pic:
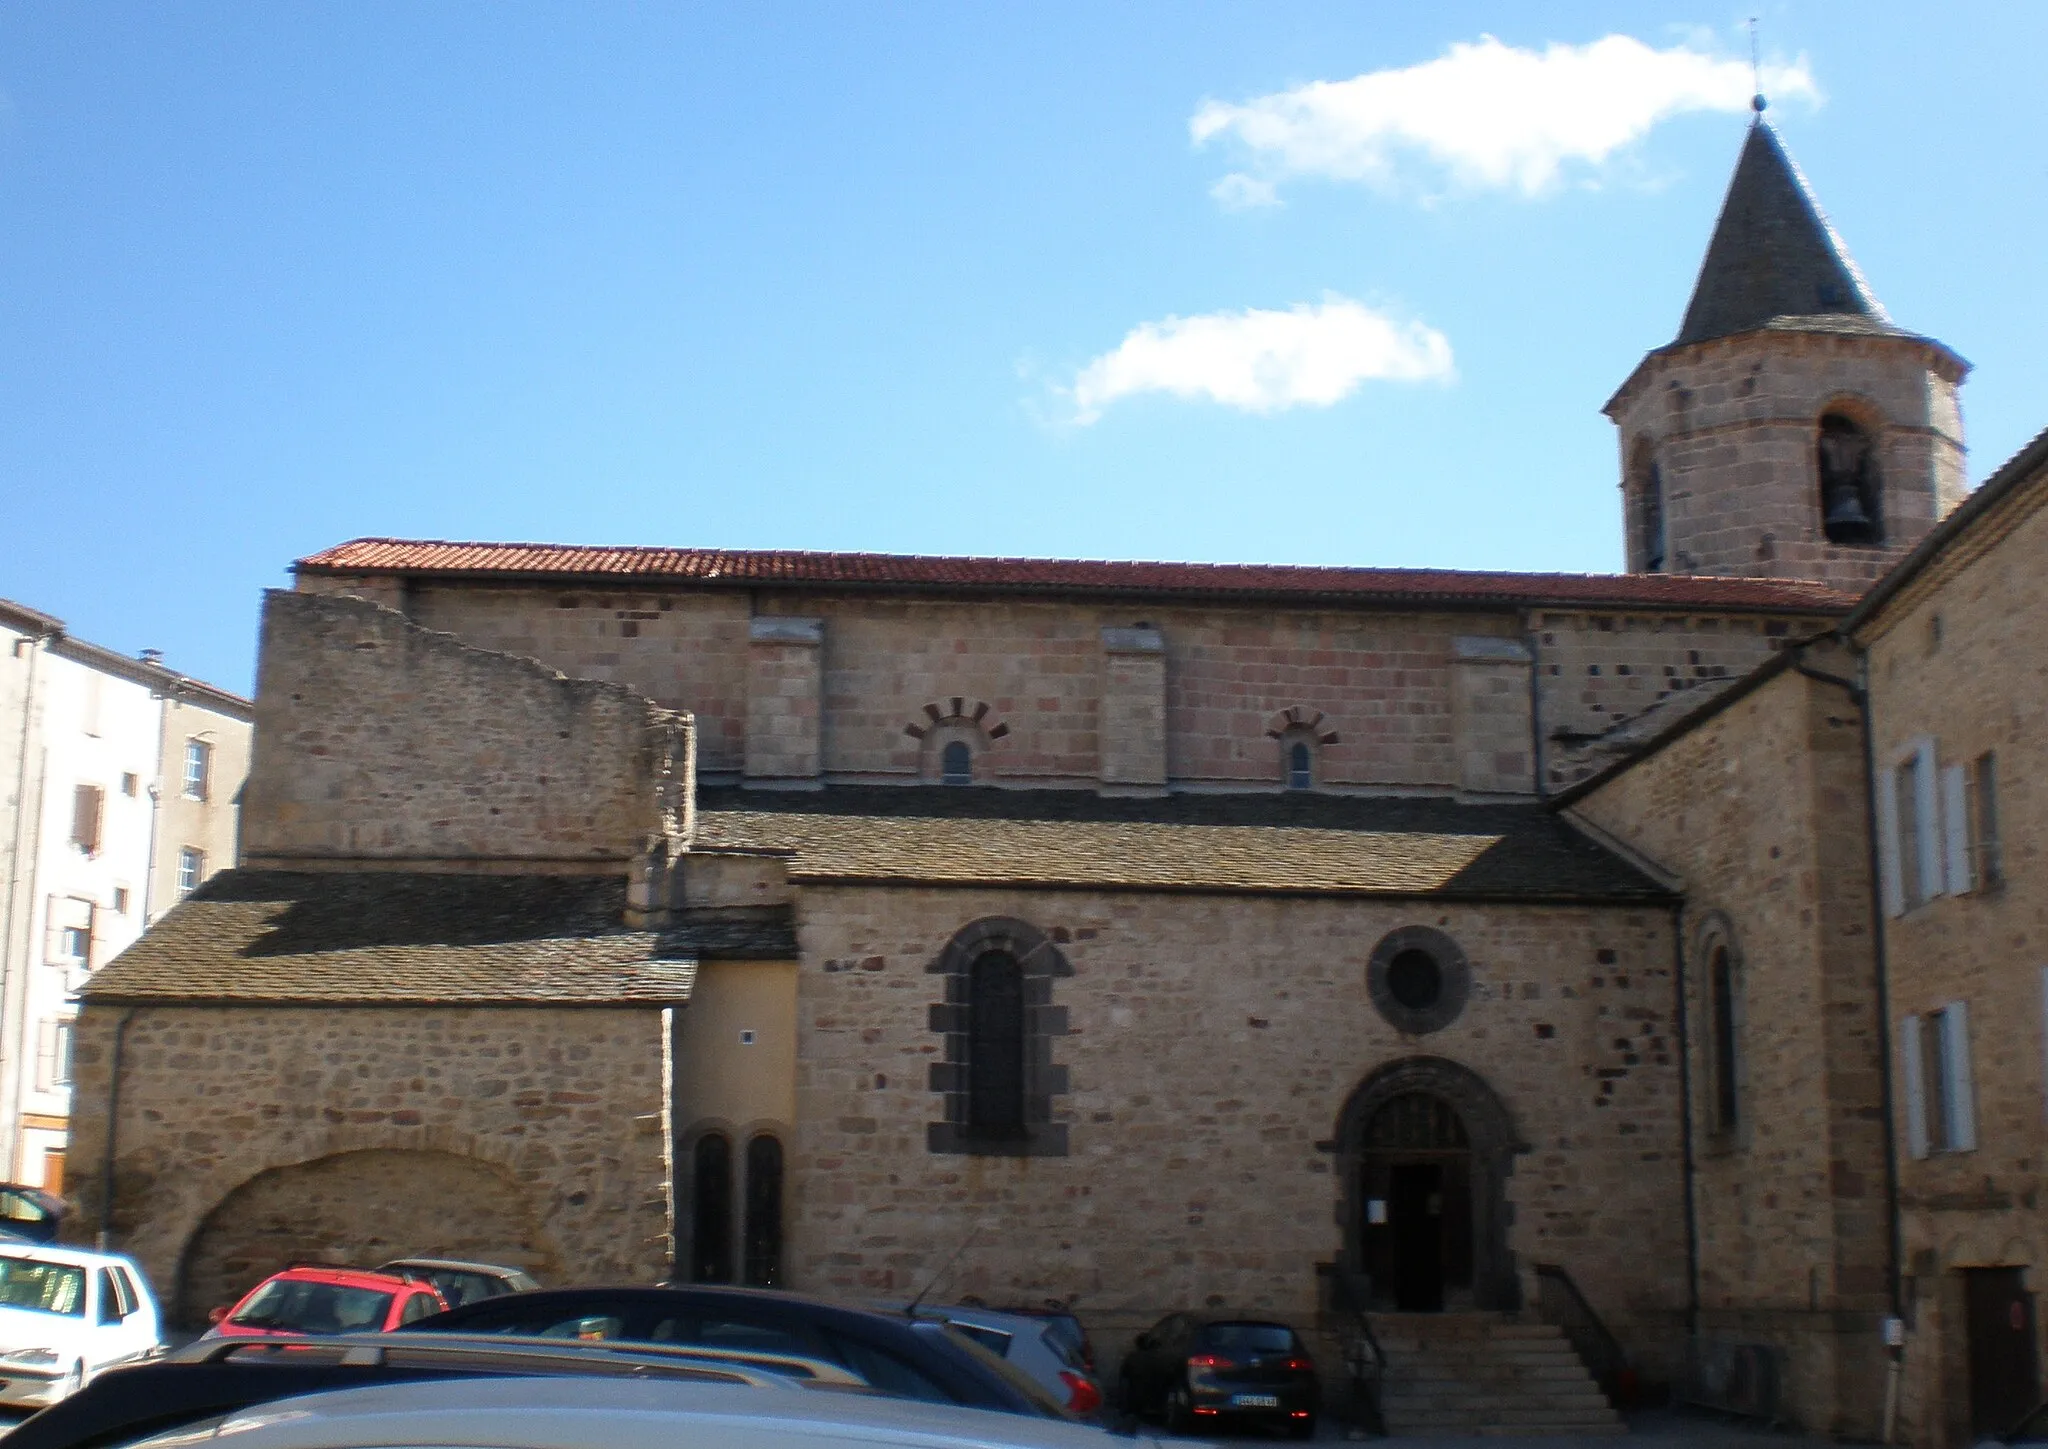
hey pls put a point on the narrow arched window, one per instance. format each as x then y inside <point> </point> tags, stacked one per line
<point>1850,499</point>
<point>763,1266</point>
<point>1721,983</point>
<point>956,764</point>
<point>1646,484</point>
<point>1300,767</point>
<point>995,1045</point>
<point>711,1197</point>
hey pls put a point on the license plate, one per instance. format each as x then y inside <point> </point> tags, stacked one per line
<point>1254,1401</point>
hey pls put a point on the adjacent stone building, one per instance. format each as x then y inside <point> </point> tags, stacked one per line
<point>1146,936</point>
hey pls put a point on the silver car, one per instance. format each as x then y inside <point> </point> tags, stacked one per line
<point>1034,1344</point>
<point>523,1413</point>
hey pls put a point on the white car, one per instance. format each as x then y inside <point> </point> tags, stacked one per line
<point>613,1413</point>
<point>66,1314</point>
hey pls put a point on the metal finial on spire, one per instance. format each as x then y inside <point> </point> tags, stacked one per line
<point>1756,71</point>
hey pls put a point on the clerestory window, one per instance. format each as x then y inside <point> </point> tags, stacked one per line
<point>956,764</point>
<point>1300,766</point>
<point>995,1046</point>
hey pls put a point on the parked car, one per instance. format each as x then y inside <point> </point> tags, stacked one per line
<point>1064,1323</point>
<point>1039,1346</point>
<point>29,1213</point>
<point>308,1298</point>
<point>575,1413</point>
<point>222,1375</point>
<point>1191,1370</point>
<point>461,1283</point>
<point>66,1316</point>
<point>917,1359</point>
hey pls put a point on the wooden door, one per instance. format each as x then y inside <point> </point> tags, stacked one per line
<point>2005,1375</point>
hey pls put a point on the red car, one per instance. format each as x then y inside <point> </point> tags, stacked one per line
<point>311,1299</point>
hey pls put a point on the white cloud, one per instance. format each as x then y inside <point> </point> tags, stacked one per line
<point>1488,114</point>
<point>1239,192</point>
<point>1259,361</point>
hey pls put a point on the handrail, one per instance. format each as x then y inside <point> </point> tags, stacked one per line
<point>1368,1365</point>
<point>1560,1302</point>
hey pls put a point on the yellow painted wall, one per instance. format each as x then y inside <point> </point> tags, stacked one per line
<point>721,1078</point>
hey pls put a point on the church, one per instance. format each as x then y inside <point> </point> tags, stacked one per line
<point>1350,945</point>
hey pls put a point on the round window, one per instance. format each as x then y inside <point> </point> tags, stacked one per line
<point>1419,980</point>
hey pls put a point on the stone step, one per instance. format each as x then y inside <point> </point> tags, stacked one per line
<point>1477,1415</point>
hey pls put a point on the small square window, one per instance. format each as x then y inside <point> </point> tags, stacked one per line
<point>121,900</point>
<point>130,785</point>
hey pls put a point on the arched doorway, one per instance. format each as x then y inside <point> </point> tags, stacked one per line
<point>361,1208</point>
<point>1426,1148</point>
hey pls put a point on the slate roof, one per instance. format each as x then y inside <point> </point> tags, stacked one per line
<point>1265,843</point>
<point>389,937</point>
<point>1101,578</point>
<point>1773,255</point>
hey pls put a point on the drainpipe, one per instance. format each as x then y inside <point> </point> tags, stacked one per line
<point>1692,1220</point>
<point>156,806</point>
<point>104,1239</point>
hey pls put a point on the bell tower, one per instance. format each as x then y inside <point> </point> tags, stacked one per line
<point>1791,430</point>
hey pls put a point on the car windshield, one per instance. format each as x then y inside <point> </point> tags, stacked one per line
<point>1246,1338</point>
<point>44,1287</point>
<point>296,1305</point>
<point>459,1286</point>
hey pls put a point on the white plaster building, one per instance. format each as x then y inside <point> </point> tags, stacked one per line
<point>119,786</point>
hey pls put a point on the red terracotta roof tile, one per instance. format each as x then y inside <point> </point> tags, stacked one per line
<point>1279,582</point>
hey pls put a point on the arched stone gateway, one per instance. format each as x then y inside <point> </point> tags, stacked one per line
<point>1425,1148</point>
<point>360,1208</point>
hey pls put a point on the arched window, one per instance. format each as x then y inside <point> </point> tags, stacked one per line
<point>1646,485</point>
<point>1300,766</point>
<point>1850,498</point>
<point>1721,985</point>
<point>956,764</point>
<point>995,1046</point>
<point>763,1265</point>
<point>711,1194</point>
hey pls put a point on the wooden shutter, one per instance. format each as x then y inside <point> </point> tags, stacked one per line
<point>1916,1087</point>
<point>1955,828</point>
<point>1959,1093</point>
<point>1891,878</point>
<point>85,818</point>
<point>1927,812</point>
<point>46,1055</point>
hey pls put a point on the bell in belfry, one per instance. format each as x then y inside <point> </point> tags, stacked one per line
<point>1845,483</point>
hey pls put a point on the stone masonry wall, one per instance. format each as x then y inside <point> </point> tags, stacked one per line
<point>1607,682</point>
<point>560,1107</point>
<point>1760,811</point>
<point>1958,658</point>
<point>377,738</point>
<point>784,705</point>
<point>1212,1043</point>
<point>1733,425</point>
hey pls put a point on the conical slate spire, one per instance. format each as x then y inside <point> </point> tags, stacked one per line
<point>1773,254</point>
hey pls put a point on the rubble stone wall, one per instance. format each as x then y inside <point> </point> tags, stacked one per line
<point>378,738</point>
<point>560,1108</point>
<point>1211,1044</point>
<point>1761,812</point>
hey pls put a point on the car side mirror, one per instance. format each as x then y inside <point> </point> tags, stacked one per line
<point>215,1315</point>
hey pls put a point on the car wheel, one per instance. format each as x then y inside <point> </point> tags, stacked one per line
<point>1302,1428</point>
<point>1180,1414</point>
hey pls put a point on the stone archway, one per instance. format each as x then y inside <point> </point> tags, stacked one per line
<point>1413,1129</point>
<point>361,1208</point>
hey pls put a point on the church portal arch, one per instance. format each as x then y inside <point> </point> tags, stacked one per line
<point>1425,1148</point>
<point>360,1208</point>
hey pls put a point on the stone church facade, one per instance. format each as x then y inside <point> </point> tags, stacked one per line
<point>1147,936</point>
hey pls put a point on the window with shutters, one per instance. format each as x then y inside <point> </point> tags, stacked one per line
<point>1984,850</point>
<point>763,1259</point>
<point>198,770</point>
<point>87,806</point>
<point>191,870</point>
<point>1941,1098</point>
<point>68,932</point>
<point>1912,843</point>
<point>53,1055</point>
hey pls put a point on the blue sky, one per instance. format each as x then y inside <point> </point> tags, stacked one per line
<point>920,278</point>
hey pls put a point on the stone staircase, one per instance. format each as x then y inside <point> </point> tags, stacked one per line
<point>1481,1373</point>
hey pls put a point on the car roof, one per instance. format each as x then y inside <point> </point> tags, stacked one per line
<point>1015,1323</point>
<point>454,1265</point>
<point>343,1277</point>
<point>522,1413</point>
<point>70,1257</point>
